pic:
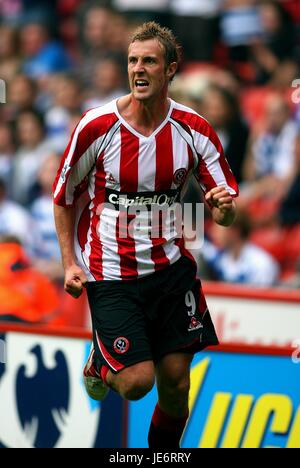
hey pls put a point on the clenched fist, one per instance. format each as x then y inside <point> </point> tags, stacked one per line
<point>75,281</point>
<point>224,209</point>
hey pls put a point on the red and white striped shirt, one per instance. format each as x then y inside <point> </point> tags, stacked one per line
<point>106,158</point>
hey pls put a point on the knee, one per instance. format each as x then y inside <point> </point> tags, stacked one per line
<point>136,381</point>
<point>135,389</point>
<point>176,387</point>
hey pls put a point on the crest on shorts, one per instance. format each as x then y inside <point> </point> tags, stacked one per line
<point>121,345</point>
<point>195,325</point>
<point>180,176</point>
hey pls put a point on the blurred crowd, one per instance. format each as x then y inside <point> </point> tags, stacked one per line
<point>59,58</point>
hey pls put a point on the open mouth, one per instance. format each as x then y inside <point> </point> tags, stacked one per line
<point>141,84</point>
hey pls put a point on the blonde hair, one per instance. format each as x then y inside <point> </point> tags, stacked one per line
<point>165,36</point>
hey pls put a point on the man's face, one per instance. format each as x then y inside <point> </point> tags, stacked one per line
<point>148,74</point>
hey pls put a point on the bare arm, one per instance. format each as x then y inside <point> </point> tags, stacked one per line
<point>75,279</point>
<point>224,206</point>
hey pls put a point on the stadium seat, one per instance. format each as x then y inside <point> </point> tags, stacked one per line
<point>253,103</point>
<point>271,239</point>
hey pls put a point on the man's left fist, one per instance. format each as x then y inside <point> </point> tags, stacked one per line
<point>220,198</point>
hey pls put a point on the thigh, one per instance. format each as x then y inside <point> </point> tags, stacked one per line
<point>119,329</point>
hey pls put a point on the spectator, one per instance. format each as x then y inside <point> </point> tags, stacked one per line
<point>221,109</point>
<point>195,22</point>
<point>15,12</point>
<point>278,44</point>
<point>119,38</point>
<point>232,258</point>
<point>32,151</point>
<point>240,26</point>
<point>22,94</point>
<point>95,40</point>
<point>67,100</point>
<point>42,55</point>
<point>271,158</point>
<point>14,220</point>
<point>75,118</point>
<point>107,84</point>
<point>68,25</point>
<point>46,252</point>
<point>25,294</point>
<point>290,209</point>
<point>9,59</point>
<point>6,154</point>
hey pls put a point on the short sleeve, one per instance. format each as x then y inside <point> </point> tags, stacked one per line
<point>213,169</point>
<point>78,160</point>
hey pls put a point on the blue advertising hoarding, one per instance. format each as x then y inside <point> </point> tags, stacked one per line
<point>43,403</point>
<point>237,401</point>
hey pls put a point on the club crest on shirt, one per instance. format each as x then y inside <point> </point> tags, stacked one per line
<point>180,176</point>
<point>110,178</point>
<point>121,345</point>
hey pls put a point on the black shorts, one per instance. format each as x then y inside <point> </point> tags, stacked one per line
<point>146,319</point>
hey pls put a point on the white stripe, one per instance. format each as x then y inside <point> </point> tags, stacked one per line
<point>112,158</point>
<point>147,166</point>
<point>111,261</point>
<point>172,252</point>
<point>143,250</point>
<point>87,247</point>
<point>180,151</point>
<point>187,138</point>
<point>146,183</point>
<point>108,236</point>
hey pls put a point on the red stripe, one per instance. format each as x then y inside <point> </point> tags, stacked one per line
<point>112,362</point>
<point>204,176</point>
<point>129,167</point>
<point>165,422</point>
<point>164,160</point>
<point>158,254</point>
<point>163,181</point>
<point>129,176</point>
<point>96,256</point>
<point>229,176</point>
<point>126,249</point>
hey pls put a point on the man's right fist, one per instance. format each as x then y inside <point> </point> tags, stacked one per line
<point>75,281</point>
